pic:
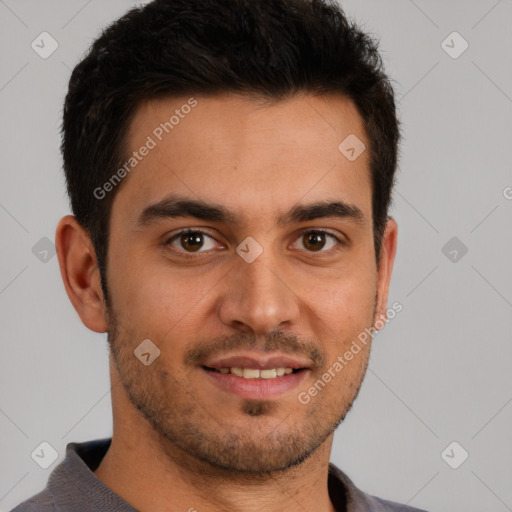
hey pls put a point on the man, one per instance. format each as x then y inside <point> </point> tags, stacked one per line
<point>230,166</point>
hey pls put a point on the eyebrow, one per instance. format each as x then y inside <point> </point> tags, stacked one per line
<point>177,206</point>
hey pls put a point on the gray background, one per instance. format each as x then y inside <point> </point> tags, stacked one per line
<point>439,371</point>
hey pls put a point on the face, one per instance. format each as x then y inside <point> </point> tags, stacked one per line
<point>219,258</point>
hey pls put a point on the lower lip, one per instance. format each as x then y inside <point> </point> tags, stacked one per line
<point>257,389</point>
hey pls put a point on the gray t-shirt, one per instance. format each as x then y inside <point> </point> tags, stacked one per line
<point>73,487</point>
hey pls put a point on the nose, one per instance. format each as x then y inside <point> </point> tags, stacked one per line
<point>258,296</point>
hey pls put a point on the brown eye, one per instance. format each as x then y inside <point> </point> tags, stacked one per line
<point>320,241</point>
<point>314,240</point>
<point>192,241</point>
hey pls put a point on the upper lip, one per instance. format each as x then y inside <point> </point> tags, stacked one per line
<point>257,361</point>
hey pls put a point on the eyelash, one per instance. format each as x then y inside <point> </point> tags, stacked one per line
<point>189,255</point>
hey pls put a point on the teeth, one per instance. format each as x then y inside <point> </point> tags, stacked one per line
<point>268,374</point>
<point>253,373</point>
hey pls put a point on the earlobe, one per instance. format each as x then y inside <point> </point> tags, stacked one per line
<point>385,269</point>
<point>80,273</point>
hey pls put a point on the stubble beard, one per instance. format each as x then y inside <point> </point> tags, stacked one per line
<point>187,430</point>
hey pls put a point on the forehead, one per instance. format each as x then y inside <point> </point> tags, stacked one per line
<point>254,155</point>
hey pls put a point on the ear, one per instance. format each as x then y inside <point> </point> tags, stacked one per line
<point>385,268</point>
<point>80,273</point>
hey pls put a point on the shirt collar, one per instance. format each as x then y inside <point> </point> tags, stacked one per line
<point>74,475</point>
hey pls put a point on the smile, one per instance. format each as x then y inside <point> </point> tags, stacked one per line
<point>254,373</point>
<point>254,383</point>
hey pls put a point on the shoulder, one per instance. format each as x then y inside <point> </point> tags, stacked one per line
<point>40,502</point>
<point>357,500</point>
<point>391,506</point>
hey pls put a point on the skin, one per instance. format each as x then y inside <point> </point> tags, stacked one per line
<point>179,441</point>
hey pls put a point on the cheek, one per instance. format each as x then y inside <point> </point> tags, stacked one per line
<point>343,310</point>
<point>346,298</point>
<point>157,301</point>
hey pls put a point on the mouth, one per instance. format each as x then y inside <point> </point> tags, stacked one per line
<point>256,376</point>
<point>255,373</point>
